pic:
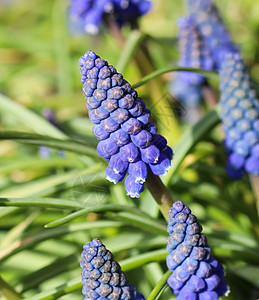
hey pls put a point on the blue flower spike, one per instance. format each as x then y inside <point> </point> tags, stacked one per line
<point>240,117</point>
<point>127,139</point>
<point>193,52</point>
<point>207,18</point>
<point>90,14</point>
<point>186,86</point>
<point>102,276</point>
<point>196,275</point>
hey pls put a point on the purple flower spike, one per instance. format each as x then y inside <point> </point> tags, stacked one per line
<point>102,276</point>
<point>196,274</point>
<point>193,52</point>
<point>240,112</point>
<point>128,140</point>
<point>90,14</point>
<point>206,17</point>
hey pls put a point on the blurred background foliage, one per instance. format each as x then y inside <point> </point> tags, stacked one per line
<point>39,51</point>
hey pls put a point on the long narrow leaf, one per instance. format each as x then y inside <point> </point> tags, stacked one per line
<point>191,137</point>
<point>210,74</point>
<point>86,148</point>
<point>27,117</point>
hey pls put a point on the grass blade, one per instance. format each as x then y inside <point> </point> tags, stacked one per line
<point>192,136</point>
<point>209,74</point>
<point>160,286</point>
<point>27,117</point>
<point>80,147</point>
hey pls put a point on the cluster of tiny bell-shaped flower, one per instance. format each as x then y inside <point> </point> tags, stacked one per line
<point>210,25</point>
<point>91,13</point>
<point>240,117</point>
<point>102,276</point>
<point>196,275</point>
<point>186,86</point>
<point>193,52</point>
<point>128,140</point>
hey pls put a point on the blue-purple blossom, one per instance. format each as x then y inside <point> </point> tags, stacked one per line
<point>240,117</point>
<point>186,86</point>
<point>128,140</point>
<point>196,275</point>
<point>102,276</point>
<point>217,39</point>
<point>91,13</point>
<point>193,52</point>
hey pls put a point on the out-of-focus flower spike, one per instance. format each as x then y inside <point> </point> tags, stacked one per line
<point>209,23</point>
<point>127,139</point>
<point>91,14</point>
<point>240,114</point>
<point>102,276</point>
<point>195,273</point>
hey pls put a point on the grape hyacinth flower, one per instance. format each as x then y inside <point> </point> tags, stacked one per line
<point>196,275</point>
<point>102,276</point>
<point>192,50</point>
<point>193,54</point>
<point>128,140</point>
<point>240,117</point>
<point>91,13</point>
<point>209,22</point>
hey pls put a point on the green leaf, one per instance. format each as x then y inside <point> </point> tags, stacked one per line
<point>190,137</point>
<point>82,147</point>
<point>160,286</point>
<point>132,215</point>
<point>27,117</point>
<point>7,291</point>
<point>54,183</point>
<point>40,202</point>
<point>132,43</point>
<point>30,240</point>
<point>17,230</point>
<point>209,74</point>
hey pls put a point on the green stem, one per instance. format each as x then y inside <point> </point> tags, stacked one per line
<point>7,291</point>
<point>209,74</point>
<point>160,286</point>
<point>255,186</point>
<point>160,193</point>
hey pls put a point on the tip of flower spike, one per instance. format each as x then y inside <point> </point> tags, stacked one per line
<point>102,276</point>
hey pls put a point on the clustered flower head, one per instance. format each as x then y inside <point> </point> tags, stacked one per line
<point>92,12</point>
<point>240,117</point>
<point>196,275</point>
<point>128,140</point>
<point>193,52</point>
<point>206,17</point>
<point>102,276</point>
